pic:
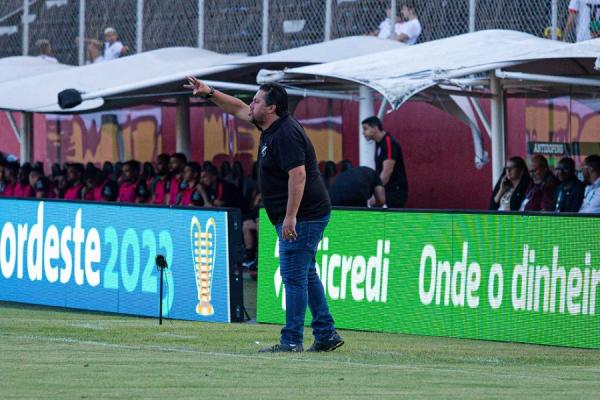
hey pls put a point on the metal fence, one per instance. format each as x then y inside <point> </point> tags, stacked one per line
<point>248,26</point>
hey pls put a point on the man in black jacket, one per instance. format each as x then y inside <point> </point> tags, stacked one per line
<point>569,193</point>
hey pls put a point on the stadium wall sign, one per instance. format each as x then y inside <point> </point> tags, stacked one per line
<point>508,277</point>
<point>102,257</point>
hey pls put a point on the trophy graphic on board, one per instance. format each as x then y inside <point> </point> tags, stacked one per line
<point>203,254</point>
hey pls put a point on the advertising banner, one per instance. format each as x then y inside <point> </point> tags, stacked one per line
<point>102,257</point>
<point>521,278</point>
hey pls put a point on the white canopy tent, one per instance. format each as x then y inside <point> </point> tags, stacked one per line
<point>159,74</point>
<point>481,64</point>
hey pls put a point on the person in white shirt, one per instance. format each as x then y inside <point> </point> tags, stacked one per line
<point>45,50</point>
<point>581,14</point>
<point>411,29</point>
<point>591,175</point>
<point>113,48</point>
<point>384,31</point>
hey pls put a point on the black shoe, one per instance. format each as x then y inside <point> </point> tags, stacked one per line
<point>283,348</point>
<point>333,342</point>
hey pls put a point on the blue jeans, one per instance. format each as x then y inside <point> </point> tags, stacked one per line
<point>302,284</point>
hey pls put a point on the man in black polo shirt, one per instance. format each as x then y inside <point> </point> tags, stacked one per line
<point>389,162</point>
<point>297,204</point>
<point>355,186</point>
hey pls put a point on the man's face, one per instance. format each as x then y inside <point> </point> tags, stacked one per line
<point>188,174</point>
<point>33,178</point>
<point>586,174</point>
<point>175,165</point>
<point>369,132</point>
<point>537,171</point>
<point>72,174</point>
<point>562,172</point>
<point>405,12</point>
<point>162,167</point>
<point>110,37</point>
<point>259,109</point>
<point>128,173</point>
<point>206,179</point>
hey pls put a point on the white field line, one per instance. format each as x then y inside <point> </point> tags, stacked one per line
<point>184,350</point>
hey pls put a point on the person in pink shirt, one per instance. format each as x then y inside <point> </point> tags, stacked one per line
<point>190,189</point>
<point>132,189</point>
<point>8,178</point>
<point>74,182</point>
<point>159,182</point>
<point>176,164</point>
<point>22,186</point>
<point>40,184</point>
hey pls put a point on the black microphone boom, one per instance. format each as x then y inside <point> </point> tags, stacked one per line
<point>161,263</point>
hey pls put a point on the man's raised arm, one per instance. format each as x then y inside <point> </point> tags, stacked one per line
<point>227,103</point>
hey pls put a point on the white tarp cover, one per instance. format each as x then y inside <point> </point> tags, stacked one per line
<point>151,71</point>
<point>12,68</point>
<point>399,74</point>
<point>40,93</point>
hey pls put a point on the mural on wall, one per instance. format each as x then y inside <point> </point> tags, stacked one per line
<point>105,136</point>
<point>229,139</point>
<point>563,127</point>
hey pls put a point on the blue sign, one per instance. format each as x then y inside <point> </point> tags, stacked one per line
<point>102,257</point>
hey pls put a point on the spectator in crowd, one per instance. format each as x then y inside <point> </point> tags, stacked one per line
<point>40,184</point>
<point>113,47</point>
<point>344,165</point>
<point>94,52</point>
<point>22,187</point>
<point>389,162</point>
<point>8,179</point>
<point>329,174</point>
<point>384,31</point>
<point>540,195</point>
<point>410,29</point>
<point>591,175</point>
<point>355,186</point>
<point>74,182</point>
<point>176,164</point>
<point>110,191</point>
<point>582,13</point>
<point>510,189</point>
<point>95,183</point>
<point>569,193</point>
<point>190,188</point>
<point>108,169</point>
<point>45,50</point>
<point>217,192</point>
<point>148,173</point>
<point>160,181</point>
<point>132,189</point>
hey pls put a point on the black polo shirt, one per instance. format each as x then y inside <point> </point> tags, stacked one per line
<point>284,146</point>
<point>389,149</point>
<point>354,187</point>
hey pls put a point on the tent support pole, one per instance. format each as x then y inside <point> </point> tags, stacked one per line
<point>365,109</point>
<point>498,128</point>
<point>26,137</point>
<point>182,126</point>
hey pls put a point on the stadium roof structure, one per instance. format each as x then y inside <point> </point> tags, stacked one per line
<point>490,64</point>
<point>12,68</point>
<point>159,74</point>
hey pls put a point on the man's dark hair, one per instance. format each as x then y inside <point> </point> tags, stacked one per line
<point>593,162</point>
<point>408,4</point>
<point>569,165</point>
<point>163,158</point>
<point>134,165</point>
<point>211,170</point>
<point>181,157</point>
<point>195,167</point>
<point>373,122</point>
<point>275,95</point>
<point>78,167</point>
